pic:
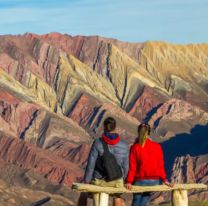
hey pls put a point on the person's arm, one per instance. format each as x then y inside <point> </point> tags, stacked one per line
<point>132,166</point>
<point>91,163</point>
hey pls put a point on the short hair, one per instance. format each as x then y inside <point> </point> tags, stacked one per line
<point>109,124</point>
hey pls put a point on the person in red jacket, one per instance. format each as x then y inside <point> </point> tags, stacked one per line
<point>146,165</point>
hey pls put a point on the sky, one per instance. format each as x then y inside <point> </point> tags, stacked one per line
<point>176,21</point>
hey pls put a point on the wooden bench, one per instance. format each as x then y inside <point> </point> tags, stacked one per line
<point>101,194</point>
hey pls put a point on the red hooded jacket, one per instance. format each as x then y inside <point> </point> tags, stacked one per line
<point>146,162</point>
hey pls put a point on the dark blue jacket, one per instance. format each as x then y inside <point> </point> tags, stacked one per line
<point>120,151</point>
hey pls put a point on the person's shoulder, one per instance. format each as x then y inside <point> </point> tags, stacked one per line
<point>152,142</point>
<point>123,143</point>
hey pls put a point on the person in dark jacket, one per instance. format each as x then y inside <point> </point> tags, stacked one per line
<point>146,165</point>
<point>121,152</point>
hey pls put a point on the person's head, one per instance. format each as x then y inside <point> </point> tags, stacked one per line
<point>143,133</point>
<point>109,124</point>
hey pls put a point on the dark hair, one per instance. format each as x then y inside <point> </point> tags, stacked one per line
<point>109,124</point>
<point>147,126</point>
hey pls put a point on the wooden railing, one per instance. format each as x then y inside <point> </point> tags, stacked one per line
<point>101,194</point>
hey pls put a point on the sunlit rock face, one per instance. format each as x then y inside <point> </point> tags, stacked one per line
<point>56,90</point>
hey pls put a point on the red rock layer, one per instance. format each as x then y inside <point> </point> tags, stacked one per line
<point>28,156</point>
<point>21,55</point>
<point>85,108</point>
<point>176,116</point>
<point>68,151</point>
<point>15,115</point>
<point>146,102</point>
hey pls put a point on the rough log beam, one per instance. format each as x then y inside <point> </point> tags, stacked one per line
<point>101,194</point>
<point>135,189</point>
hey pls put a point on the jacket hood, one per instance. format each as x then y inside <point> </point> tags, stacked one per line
<point>111,138</point>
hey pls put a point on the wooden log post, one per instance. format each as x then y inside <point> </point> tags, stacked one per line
<point>104,198</point>
<point>96,199</point>
<point>179,198</point>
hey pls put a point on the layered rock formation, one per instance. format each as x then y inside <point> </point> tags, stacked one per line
<point>89,113</point>
<point>56,90</point>
<point>28,156</point>
<point>175,117</point>
<point>179,70</point>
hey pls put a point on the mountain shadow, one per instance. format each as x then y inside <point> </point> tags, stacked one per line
<point>194,144</point>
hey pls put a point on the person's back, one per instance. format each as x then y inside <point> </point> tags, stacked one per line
<point>116,146</point>
<point>148,161</point>
<point>146,166</point>
<point>120,150</point>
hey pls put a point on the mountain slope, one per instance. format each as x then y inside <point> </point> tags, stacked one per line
<point>56,90</point>
<point>178,70</point>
